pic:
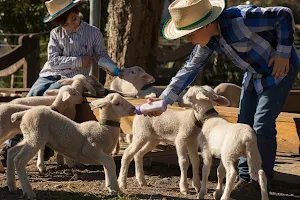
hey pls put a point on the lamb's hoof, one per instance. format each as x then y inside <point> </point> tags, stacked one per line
<point>42,173</point>
<point>25,196</point>
<point>217,194</point>
<point>115,192</point>
<point>122,185</point>
<point>186,192</point>
<point>201,195</point>
<point>143,183</point>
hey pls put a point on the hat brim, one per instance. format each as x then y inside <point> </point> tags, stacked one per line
<point>170,31</point>
<point>49,18</point>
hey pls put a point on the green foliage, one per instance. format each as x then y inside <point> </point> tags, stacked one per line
<point>22,16</point>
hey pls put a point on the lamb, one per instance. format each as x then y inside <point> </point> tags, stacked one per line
<point>82,83</point>
<point>67,97</point>
<point>225,140</point>
<point>231,91</point>
<point>79,82</point>
<point>135,82</point>
<point>178,127</point>
<point>89,142</point>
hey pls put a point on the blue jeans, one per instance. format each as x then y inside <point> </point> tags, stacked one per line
<point>260,112</point>
<point>38,89</point>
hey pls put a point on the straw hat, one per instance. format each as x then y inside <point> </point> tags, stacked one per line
<point>188,16</point>
<point>58,7</point>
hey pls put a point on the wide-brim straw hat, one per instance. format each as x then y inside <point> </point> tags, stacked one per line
<point>188,16</point>
<point>58,7</point>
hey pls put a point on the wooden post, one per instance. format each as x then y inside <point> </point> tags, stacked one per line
<point>32,45</point>
<point>95,20</point>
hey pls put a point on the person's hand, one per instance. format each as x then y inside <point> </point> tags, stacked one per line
<point>86,61</point>
<point>281,66</point>
<point>153,114</point>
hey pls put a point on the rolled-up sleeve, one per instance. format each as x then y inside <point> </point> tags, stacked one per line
<point>186,75</point>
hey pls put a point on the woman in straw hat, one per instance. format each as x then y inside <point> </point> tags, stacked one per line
<point>72,46</point>
<point>257,40</point>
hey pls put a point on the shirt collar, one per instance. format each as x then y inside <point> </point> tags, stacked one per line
<point>80,29</point>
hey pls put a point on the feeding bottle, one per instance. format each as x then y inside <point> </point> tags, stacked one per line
<point>155,106</point>
<point>105,64</point>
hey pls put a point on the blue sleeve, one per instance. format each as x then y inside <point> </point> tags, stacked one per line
<point>186,75</point>
<point>259,19</point>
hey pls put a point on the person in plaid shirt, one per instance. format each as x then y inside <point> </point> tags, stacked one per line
<point>259,41</point>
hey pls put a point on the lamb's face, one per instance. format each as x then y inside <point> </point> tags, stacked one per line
<point>116,104</point>
<point>67,93</point>
<point>120,106</point>
<point>203,95</point>
<point>194,95</point>
<point>136,75</point>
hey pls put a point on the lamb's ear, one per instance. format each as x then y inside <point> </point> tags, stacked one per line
<point>65,96</point>
<point>221,101</point>
<point>90,88</point>
<point>99,103</point>
<point>67,81</point>
<point>52,92</point>
<point>201,96</point>
<point>148,77</point>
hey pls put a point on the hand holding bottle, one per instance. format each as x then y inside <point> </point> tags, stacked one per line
<point>153,107</point>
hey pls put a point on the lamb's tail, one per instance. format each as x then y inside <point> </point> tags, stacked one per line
<point>17,116</point>
<point>255,166</point>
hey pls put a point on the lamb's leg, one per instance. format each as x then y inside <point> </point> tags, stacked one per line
<point>22,158</point>
<point>194,158</point>
<point>183,161</point>
<point>95,153</point>
<point>60,159</point>
<point>70,163</point>
<point>207,160</point>
<point>138,159</point>
<point>116,149</point>
<point>127,157</point>
<point>221,175</point>
<point>10,172</point>
<point>40,160</point>
<point>230,177</point>
<point>263,184</point>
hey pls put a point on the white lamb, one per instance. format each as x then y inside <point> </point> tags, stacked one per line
<point>89,142</point>
<point>231,91</point>
<point>178,127</point>
<point>225,140</point>
<point>83,83</point>
<point>135,82</point>
<point>67,98</point>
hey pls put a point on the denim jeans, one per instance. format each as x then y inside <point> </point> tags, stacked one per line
<point>260,112</point>
<point>38,89</point>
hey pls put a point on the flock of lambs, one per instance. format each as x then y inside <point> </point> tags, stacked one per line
<point>48,120</point>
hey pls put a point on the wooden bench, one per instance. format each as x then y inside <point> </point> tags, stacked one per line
<point>288,124</point>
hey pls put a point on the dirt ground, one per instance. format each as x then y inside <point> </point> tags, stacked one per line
<point>88,184</point>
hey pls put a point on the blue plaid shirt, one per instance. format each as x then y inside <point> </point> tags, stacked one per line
<point>250,36</point>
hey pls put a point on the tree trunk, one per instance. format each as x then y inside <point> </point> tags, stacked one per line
<point>132,30</point>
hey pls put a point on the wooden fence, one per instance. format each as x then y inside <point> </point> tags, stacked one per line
<point>25,56</point>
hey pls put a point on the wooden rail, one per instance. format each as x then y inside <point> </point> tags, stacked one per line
<point>288,124</point>
<point>27,56</point>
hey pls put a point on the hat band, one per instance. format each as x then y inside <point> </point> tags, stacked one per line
<point>59,12</point>
<point>197,22</point>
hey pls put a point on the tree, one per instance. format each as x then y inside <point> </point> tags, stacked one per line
<point>132,31</point>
